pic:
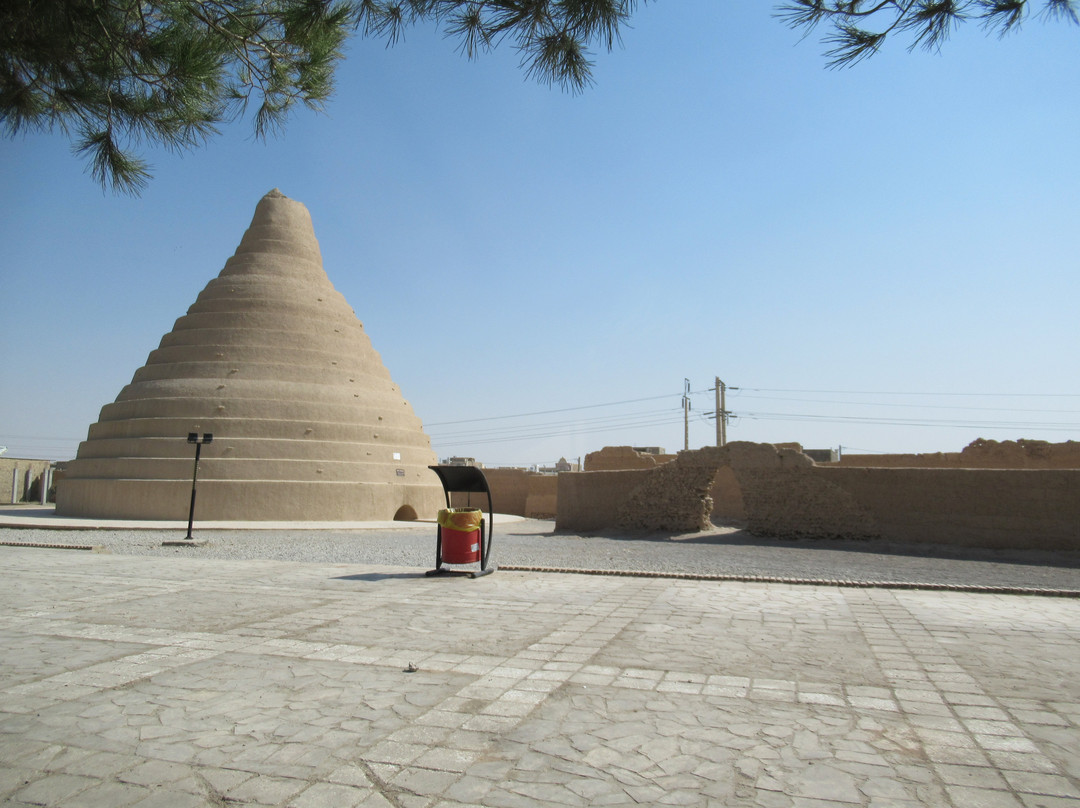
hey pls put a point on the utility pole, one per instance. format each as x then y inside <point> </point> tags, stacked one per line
<point>721,413</point>
<point>686,413</point>
<point>719,417</point>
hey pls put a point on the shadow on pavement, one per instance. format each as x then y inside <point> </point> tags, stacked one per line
<point>721,535</point>
<point>378,576</point>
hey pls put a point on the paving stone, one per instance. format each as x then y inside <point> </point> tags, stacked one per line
<point>168,798</point>
<point>1021,762</point>
<point>108,795</point>
<point>973,776</point>
<point>265,790</point>
<point>13,778</point>
<point>966,797</point>
<point>1053,785</point>
<point>548,689</point>
<point>1043,801</point>
<point>54,789</point>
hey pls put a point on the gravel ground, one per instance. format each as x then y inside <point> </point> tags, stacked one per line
<point>724,552</point>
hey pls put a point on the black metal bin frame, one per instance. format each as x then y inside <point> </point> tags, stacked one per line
<point>470,480</point>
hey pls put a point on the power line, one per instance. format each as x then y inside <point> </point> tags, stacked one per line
<point>656,418</point>
<point>569,430</point>
<point>550,412</point>
<point>600,420</point>
<point>895,404</point>
<point>651,418</point>
<point>840,419</point>
<point>906,393</point>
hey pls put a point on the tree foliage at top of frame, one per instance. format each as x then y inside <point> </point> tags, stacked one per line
<point>115,75</point>
<point>860,27</point>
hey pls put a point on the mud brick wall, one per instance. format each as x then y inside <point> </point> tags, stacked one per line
<point>617,458</point>
<point>727,498</point>
<point>594,500</point>
<point>515,491</point>
<point>1023,509</point>
<point>509,489</point>
<point>981,454</point>
<point>674,497</point>
<point>796,503</point>
<point>541,502</point>
<point>781,492</point>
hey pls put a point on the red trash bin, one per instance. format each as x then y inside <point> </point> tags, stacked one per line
<point>460,535</point>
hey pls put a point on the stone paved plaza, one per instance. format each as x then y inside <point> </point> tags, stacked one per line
<point>192,682</point>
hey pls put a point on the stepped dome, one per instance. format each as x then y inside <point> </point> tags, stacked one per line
<point>307,423</point>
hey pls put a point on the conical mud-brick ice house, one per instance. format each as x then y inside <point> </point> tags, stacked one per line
<point>306,422</point>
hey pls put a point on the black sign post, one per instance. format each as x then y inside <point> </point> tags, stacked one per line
<point>198,440</point>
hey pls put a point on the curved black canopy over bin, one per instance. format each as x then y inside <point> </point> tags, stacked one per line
<point>470,480</point>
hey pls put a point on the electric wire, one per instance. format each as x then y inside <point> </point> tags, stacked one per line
<point>483,430</point>
<point>658,418</point>
<point>904,393</point>
<point>841,419</point>
<point>549,412</point>
<point>599,420</point>
<point>567,430</point>
<point>896,404</point>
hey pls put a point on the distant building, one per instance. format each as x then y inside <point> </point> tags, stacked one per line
<point>24,480</point>
<point>561,465</point>
<point>462,461</point>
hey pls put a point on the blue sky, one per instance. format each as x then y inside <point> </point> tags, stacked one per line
<point>882,258</point>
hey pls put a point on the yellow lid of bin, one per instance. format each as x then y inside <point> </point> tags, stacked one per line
<point>464,519</point>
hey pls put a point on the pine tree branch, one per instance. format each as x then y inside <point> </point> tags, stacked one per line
<point>116,73</point>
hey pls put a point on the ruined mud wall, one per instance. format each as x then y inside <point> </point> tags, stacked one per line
<point>992,508</point>
<point>794,503</point>
<point>727,498</point>
<point>687,494</point>
<point>541,502</point>
<point>515,491</point>
<point>998,508</point>
<point>980,454</point>
<point>509,489</point>
<point>618,458</point>
<point>783,493</point>
<point>673,497</point>
<point>594,500</point>
<point>729,501</point>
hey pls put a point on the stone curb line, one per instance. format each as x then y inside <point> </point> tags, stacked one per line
<point>776,579</point>
<point>92,547</point>
<point>691,576</point>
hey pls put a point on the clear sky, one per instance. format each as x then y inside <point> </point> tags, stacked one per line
<point>883,258</point>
